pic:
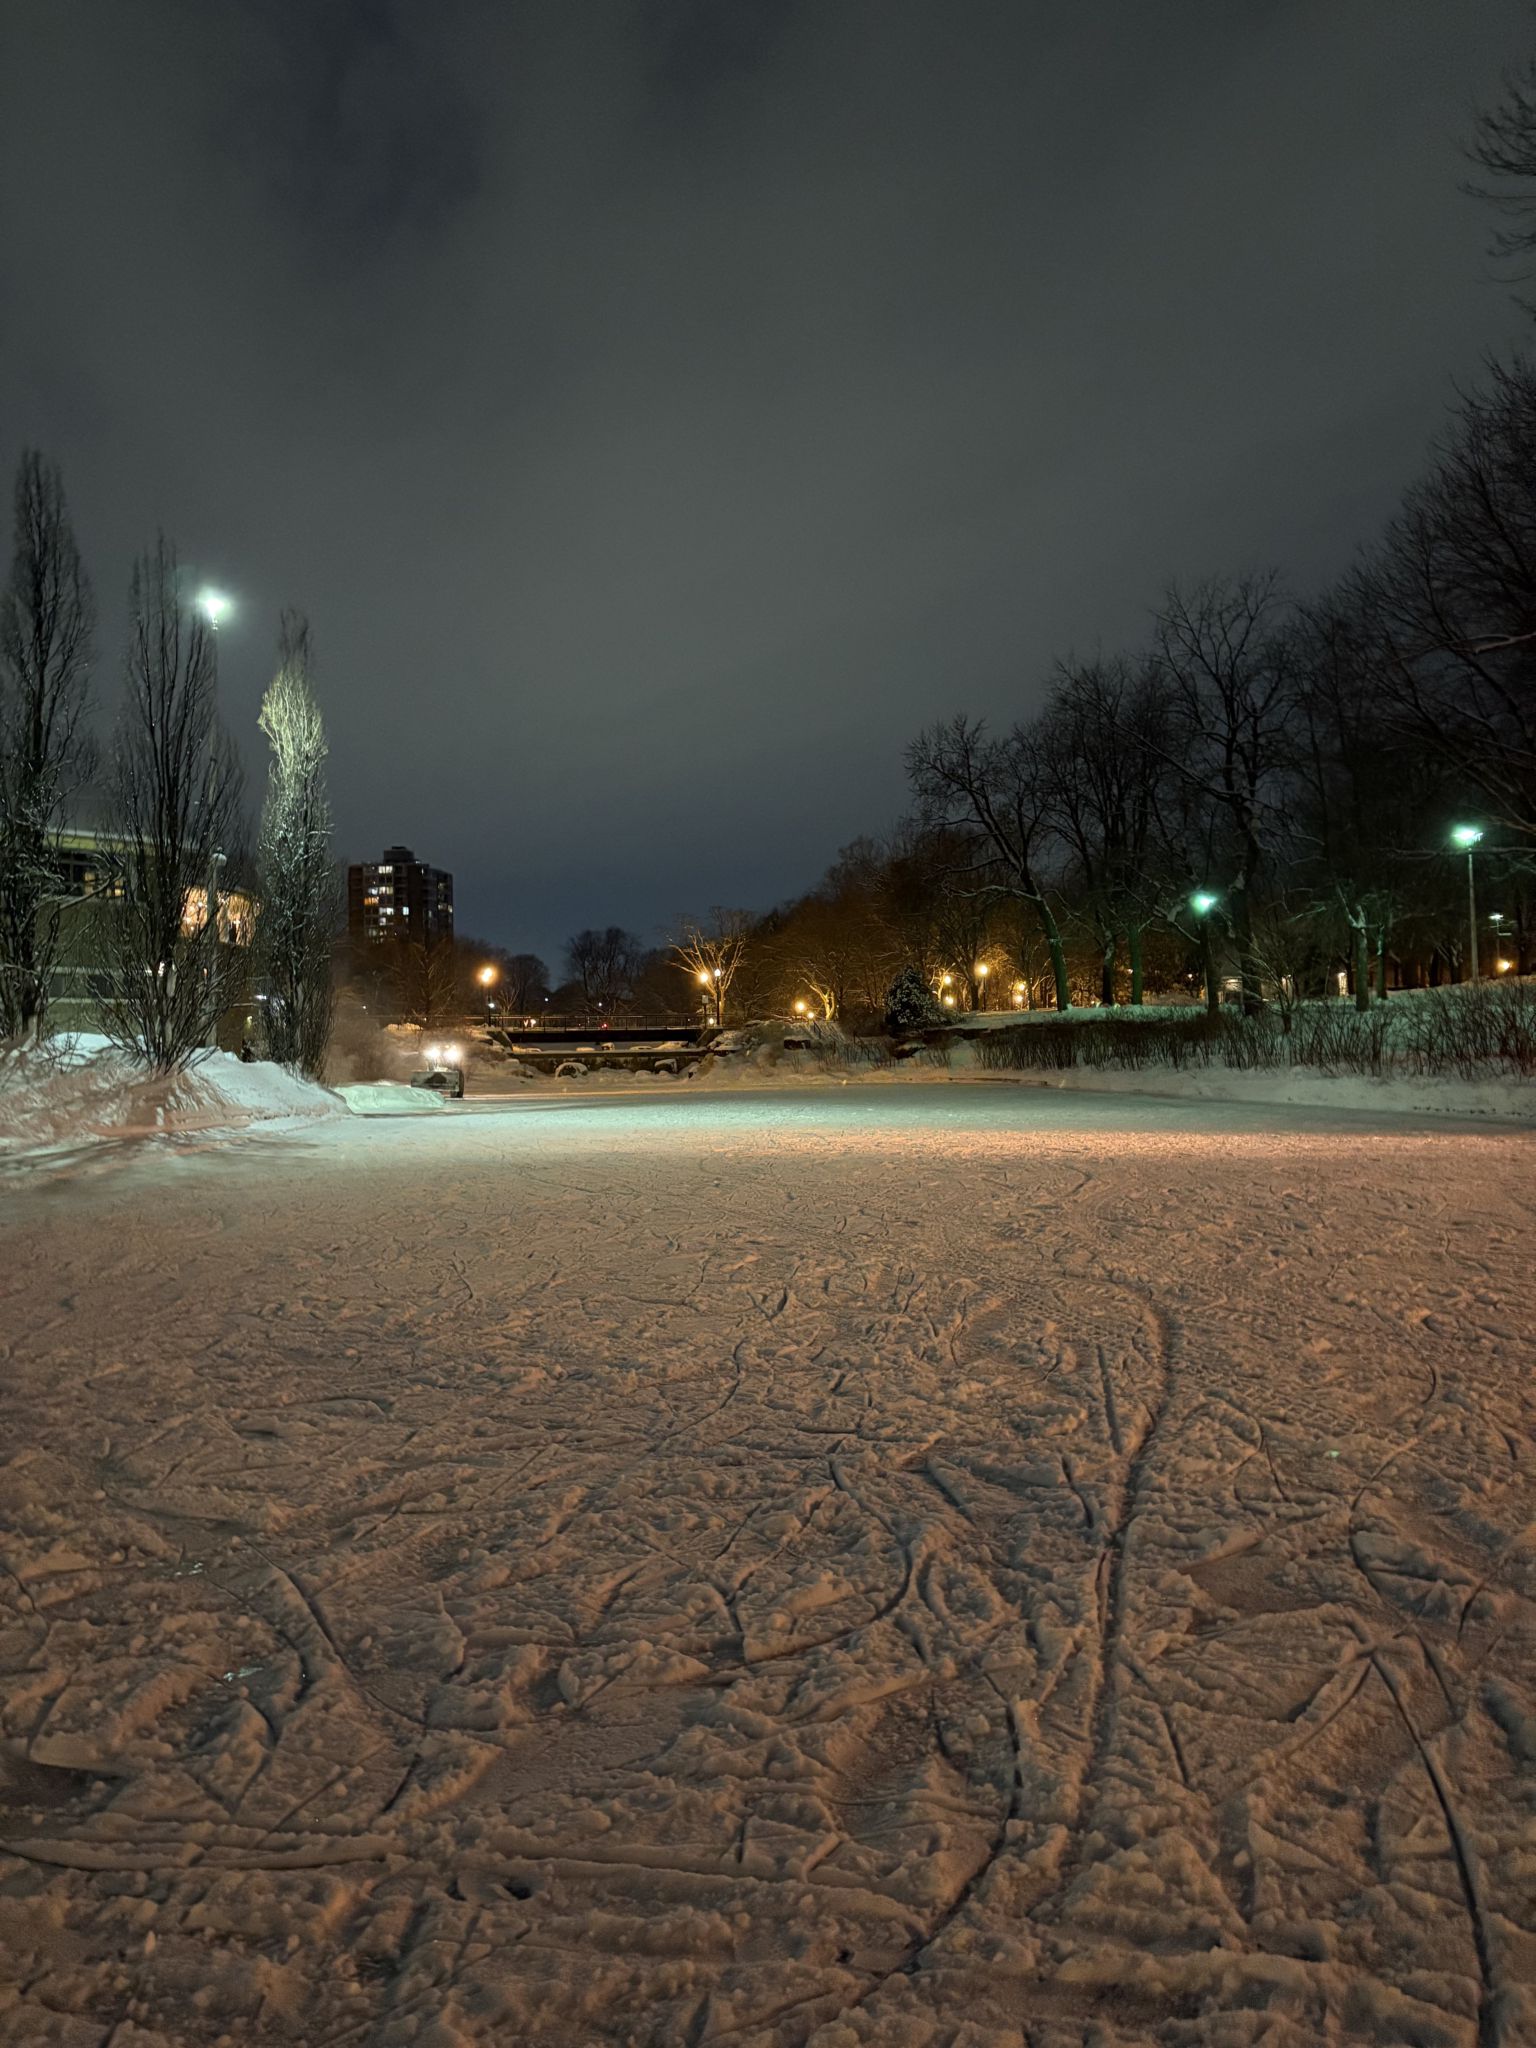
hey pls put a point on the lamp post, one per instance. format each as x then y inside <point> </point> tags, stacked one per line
<point>982,971</point>
<point>709,981</point>
<point>1468,836</point>
<point>487,980</point>
<point>215,608</point>
<point>1202,903</point>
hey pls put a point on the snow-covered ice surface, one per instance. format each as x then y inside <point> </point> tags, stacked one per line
<point>907,1567</point>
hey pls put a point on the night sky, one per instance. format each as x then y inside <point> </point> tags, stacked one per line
<point>662,410</point>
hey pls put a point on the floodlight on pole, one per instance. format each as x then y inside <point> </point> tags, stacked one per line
<point>1467,836</point>
<point>1202,903</point>
<point>214,606</point>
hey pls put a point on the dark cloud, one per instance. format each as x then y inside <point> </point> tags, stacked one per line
<point>350,120</point>
<point>662,409</point>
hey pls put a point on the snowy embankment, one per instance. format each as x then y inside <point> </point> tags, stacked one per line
<point>83,1091</point>
<point>1506,1100</point>
<point>388,1098</point>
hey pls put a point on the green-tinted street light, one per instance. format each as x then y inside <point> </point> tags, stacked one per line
<point>1202,903</point>
<point>1466,837</point>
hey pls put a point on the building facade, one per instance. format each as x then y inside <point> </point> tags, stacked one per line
<point>398,898</point>
<point>90,861</point>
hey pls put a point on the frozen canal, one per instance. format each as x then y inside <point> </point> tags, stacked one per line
<point>903,1566</point>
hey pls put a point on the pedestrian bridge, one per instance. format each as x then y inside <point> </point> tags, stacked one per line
<point>601,1033</point>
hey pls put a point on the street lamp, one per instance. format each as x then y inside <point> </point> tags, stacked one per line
<point>982,971</point>
<point>1467,836</point>
<point>214,606</point>
<point>1202,903</point>
<point>487,980</point>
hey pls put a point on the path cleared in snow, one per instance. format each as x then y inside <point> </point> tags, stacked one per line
<point>963,1567</point>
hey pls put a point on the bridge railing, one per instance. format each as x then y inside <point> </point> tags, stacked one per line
<point>504,1023</point>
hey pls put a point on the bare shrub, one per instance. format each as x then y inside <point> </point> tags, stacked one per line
<point>1472,1030</point>
<point>1339,1040</point>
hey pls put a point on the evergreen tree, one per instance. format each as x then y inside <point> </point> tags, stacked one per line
<point>910,1004</point>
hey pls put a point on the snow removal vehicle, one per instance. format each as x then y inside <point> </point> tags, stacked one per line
<point>443,1072</point>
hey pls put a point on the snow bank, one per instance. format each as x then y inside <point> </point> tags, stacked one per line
<point>1510,1101</point>
<point>388,1098</point>
<point>1156,1010</point>
<point>83,1090</point>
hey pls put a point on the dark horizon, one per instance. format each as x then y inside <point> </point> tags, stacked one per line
<point>662,412</point>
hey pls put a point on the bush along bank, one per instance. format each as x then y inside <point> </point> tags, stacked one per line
<point>1485,1032</point>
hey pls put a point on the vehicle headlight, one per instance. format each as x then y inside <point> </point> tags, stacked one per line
<point>430,1055</point>
<point>450,1055</point>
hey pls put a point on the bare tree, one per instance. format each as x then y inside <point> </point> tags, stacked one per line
<point>1105,739</point>
<point>46,624</point>
<point>1226,651</point>
<point>998,791</point>
<point>605,964</point>
<point>176,825</point>
<point>525,979</point>
<point>1362,787</point>
<point>821,947</point>
<point>711,953</point>
<point>1503,148</point>
<point>1452,596</point>
<point>426,982</point>
<point>298,898</point>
